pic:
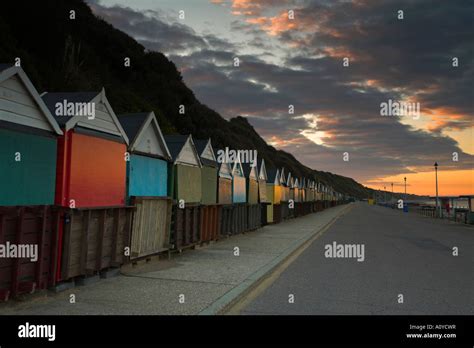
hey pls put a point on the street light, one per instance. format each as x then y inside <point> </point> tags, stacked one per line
<point>405,178</point>
<point>436,176</point>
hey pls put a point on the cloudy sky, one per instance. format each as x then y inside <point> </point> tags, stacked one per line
<point>293,52</point>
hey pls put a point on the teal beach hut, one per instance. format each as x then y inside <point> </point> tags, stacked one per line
<point>28,142</point>
<point>147,167</point>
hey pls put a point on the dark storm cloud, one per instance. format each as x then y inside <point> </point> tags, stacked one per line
<point>390,59</point>
<point>154,30</point>
<point>412,54</point>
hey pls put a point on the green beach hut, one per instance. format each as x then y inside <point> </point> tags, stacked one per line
<point>184,178</point>
<point>209,171</point>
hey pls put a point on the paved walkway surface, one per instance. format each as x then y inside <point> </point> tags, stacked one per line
<point>208,277</point>
<point>405,254</point>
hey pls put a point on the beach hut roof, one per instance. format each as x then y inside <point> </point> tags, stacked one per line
<point>282,176</point>
<point>262,171</point>
<point>45,119</point>
<point>296,183</point>
<point>225,168</point>
<point>5,66</point>
<point>183,150</point>
<point>206,152</point>
<point>303,183</point>
<point>237,169</point>
<point>273,176</point>
<point>107,122</point>
<point>250,171</point>
<point>51,99</point>
<point>144,134</point>
<point>289,180</point>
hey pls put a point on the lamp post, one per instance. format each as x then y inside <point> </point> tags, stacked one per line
<point>385,193</point>
<point>436,176</point>
<point>405,178</point>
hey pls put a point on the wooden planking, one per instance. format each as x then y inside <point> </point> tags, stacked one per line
<point>103,121</point>
<point>210,220</point>
<point>226,217</point>
<point>270,198</point>
<point>233,219</point>
<point>150,226</point>
<point>17,105</point>
<point>277,210</point>
<point>262,191</point>
<point>252,195</point>
<point>277,194</point>
<point>26,225</point>
<point>254,220</point>
<point>150,141</point>
<point>209,185</point>
<point>225,191</point>
<point>188,154</point>
<point>188,187</point>
<point>95,240</point>
<point>185,232</point>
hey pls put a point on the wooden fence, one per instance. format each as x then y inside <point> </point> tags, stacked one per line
<point>151,222</point>
<point>185,226</point>
<point>32,226</point>
<point>92,240</point>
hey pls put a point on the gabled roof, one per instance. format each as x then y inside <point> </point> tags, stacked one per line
<point>273,176</point>
<point>262,170</point>
<point>206,152</point>
<point>303,183</point>
<point>225,168</point>
<point>132,123</point>
<point>7,71</point>
<point>178,144</point>
<point>250,171</point>
<point>175,143</point>
<point>237,168</point>
<point>282,177</point>
<point>69,122</point>
<point>289,180</point>
<point>50,99</point>
<point>136,126</point>
<point>5,66</point>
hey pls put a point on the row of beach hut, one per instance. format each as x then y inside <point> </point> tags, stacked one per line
<point>94,190</point>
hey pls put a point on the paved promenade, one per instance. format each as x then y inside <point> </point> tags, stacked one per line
<point>405,254</point>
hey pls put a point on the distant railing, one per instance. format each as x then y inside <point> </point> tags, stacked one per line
<point>453,214</point>
<point>426,210</point>
<point>461,215</point>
